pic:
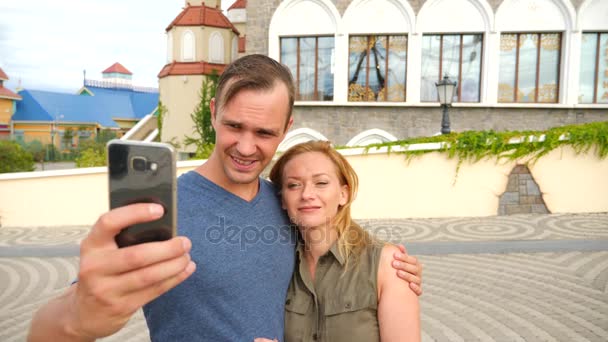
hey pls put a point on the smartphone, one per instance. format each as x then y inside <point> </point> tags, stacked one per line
<point>143,172</point>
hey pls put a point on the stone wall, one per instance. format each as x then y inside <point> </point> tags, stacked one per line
<point>522,195</point>
<point>340,123</point>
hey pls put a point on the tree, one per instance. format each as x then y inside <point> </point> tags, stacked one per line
<point>37,150</point>
<point>201,117</point>
<point>14,158</point>
<point>91,157</point>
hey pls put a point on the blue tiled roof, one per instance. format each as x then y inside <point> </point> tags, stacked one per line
<point>101,108</point>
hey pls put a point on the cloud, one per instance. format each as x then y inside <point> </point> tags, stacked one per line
<point>48,53</point>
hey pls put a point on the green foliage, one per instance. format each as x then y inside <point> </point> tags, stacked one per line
<point>37,150</point>
<point>91,157</point>
<point>473,146</point>
<point>204,137</point>
<point>14,158</point>
<point>160,116</point>
<point>93,152</point>
<point>104,136</point>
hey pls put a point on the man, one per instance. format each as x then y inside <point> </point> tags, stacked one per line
<point>231,223</point>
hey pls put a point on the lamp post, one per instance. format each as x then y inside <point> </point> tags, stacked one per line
<point>445,92</point>
<point>53,130</point>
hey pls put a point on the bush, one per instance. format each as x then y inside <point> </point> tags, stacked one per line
<point>14,158</point>
<point>91,157</point>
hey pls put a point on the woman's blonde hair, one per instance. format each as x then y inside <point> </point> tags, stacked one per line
<point>352,239</point>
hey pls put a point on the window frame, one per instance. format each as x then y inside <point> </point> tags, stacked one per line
<point>386,64</point>
<point>538,50</point>
<point>596,67</point>
<point>459,80</point>
<point>316,72</point>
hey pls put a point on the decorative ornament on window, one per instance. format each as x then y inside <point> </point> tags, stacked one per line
<point>508,42</point>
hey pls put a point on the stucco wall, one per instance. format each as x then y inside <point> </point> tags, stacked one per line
<point>390,187</point>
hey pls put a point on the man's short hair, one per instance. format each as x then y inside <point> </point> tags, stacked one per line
<point>253,72</point>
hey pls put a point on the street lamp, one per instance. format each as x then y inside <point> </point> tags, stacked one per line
<point>53,130</point>
<point>445,92</point>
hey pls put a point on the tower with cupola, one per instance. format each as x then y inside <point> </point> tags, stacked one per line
<point>199,43</point>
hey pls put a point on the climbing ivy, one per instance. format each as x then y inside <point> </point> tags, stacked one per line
<point>473,146</point>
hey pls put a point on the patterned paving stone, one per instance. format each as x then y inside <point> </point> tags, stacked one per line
<point>553,296</point>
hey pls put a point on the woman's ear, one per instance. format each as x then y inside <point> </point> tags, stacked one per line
<point>343,195</point>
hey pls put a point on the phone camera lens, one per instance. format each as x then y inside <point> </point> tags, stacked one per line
<point>139,164</point>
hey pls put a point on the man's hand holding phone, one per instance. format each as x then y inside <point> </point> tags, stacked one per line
<point>113,283</point>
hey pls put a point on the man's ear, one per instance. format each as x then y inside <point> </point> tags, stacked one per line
<point>288,126</point>
<point>212,108</point>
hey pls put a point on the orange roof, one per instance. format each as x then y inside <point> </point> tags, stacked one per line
<point>3,75</point>
<point>191,68</point>
<point>238,4</point>
<point>242,44</point>
<point>7,94</point>
<point>202,15</point>
<point>117,68</point>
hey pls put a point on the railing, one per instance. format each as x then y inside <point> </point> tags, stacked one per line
<point>114,85</point>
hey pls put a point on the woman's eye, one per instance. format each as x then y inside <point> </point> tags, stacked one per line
<point>323,183</point>
<point>292,185</point>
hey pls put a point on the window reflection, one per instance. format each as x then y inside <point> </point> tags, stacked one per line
<point>310,60</point>
<point>529,67</point>
<point>455,55</point>
<point>377,68</point>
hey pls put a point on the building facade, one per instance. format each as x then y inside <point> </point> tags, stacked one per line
<point>366,69</point>
<point>8,105</point>
<point>65,120</point>
<point>201,41</point>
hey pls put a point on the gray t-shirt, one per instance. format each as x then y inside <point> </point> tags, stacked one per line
<point>244,253</point>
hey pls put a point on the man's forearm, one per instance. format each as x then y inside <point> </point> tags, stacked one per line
<point>55,321</point>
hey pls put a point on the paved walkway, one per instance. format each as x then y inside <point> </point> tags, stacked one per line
<point>509,278</point>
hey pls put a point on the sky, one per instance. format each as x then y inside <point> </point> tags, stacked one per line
<point>48,43</point>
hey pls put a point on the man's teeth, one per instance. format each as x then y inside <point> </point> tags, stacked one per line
<point>243,162</point>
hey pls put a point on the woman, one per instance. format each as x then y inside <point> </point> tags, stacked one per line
<point>343,288</point>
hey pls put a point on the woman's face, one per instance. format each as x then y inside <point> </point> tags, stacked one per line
<point>311,190</point>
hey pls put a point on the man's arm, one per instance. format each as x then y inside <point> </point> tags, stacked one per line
<point>408,268</point>
<point>398,306</point>
<point>113,283</point>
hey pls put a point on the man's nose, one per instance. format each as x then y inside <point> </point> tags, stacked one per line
<point>246,145</point>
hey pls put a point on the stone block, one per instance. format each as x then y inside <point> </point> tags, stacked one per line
<point>525,177</point>
<point>532,188</point>
<point>519,169</point>
<point>513,183</point>
<point>523,190</point>
<point>539,209</point>
<point>518,209</point>
<point>509,198</point>
<point>527,199</point>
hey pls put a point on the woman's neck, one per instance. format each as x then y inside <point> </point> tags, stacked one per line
<point>317,242</point>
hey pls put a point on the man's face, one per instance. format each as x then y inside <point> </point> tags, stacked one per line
<point>248,131</point>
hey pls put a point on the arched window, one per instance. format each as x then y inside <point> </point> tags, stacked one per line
<point>216,48</point>
<point>534,35</point>
<point>377,33</point>
<point>308,50</point>
<point>371,136</point>
<point>188,47</point>
<point>593,81</point>
<point>453,45</point>
<point>298,136</point>
<point>169,47</point>
<point>235,48</point>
